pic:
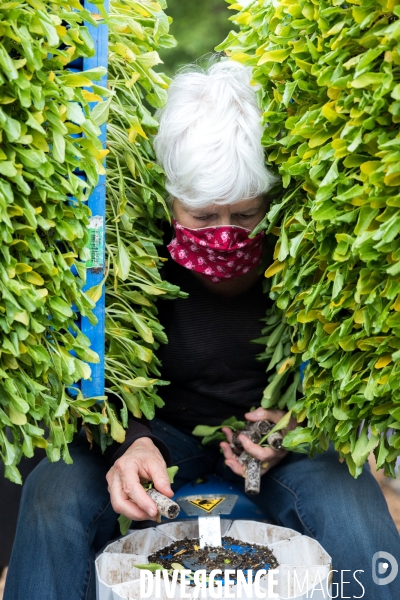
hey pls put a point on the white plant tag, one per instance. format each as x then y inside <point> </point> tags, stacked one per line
<point>210,531</point>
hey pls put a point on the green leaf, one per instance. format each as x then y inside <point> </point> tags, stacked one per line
<point>233,423</point>
<point>124,526</point>
<point>368,79</point>
<point>382,453</point>
<point>147,407</point>
<point>12,473</point>
<point>58,146</point>
<point>123,261</point>
<point>100,112</point>
<point>7,168</point>
<point>31,158</point>
<point>75,113</point>
<point>7,64</point>
<point>363,447</point>
<point>82,369</point>
<point>12,127</point>
<point>139,382</point>
<point>153,567</point>
<point>331,175</point>
<point>298,436</point>
<point>288,92</point>
<point>326,211</point>
<point>59,306</point>
<point>117,431</point>
<point>276,56</point>
<point>282,424</point>
<point>172,471</point>
<point>177,567</point>
<point>96,73</point>
<point>50,30</point>
<point>141,327</point>
<point>203,430</point>
<point>16,417</point>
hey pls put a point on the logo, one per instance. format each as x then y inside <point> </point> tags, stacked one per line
<point>385,560</point>
<point>207,504</point>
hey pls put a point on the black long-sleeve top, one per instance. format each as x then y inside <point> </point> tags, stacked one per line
<point>209,359</point>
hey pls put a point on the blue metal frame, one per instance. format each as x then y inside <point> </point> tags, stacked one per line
<point>302,368</point>
<point>97,205</point>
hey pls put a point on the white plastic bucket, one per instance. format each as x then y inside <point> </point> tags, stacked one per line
<point>304,566</point>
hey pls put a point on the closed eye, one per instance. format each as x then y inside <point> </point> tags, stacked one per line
<point>203,217</point>
<point>243,216</point>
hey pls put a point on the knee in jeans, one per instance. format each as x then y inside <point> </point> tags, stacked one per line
<point>336,487</point>
<point>47,494</point>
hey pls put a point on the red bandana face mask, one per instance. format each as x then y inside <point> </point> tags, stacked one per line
<point>218,253</point>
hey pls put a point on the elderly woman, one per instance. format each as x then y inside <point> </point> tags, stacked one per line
<point>209,144</point>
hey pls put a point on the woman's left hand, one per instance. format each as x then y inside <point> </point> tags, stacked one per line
<point>268,456</point>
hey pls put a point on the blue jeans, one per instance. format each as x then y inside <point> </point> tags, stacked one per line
<point>66,517</point>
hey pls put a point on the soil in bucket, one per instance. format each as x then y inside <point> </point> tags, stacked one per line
<point>233,554</point>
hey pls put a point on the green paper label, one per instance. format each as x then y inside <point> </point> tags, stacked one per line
<point>96,243</point>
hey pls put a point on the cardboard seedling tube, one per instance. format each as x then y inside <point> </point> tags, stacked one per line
<point>251,472</point>
<point>254,436</point>
<point>252,476</point>
<point>166,507</point>
<point>252,466</point>
<point>275,440</point>
<point>244,457</point>
<point>262,427</point>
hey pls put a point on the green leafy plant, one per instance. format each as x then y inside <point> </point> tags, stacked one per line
<point>329,88</point>
<point>214,433</point>
<point>211,433</point>
<point>47,130</point>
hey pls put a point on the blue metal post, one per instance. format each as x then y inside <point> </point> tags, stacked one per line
<point>97,204</point>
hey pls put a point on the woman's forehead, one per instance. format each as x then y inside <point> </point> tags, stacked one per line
<point>236,207</point>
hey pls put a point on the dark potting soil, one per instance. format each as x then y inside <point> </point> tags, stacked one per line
<point>233,554</point>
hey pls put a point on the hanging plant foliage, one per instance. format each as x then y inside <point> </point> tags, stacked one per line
<point>329,89</point>
<point>135,208</point>
<point>48,132</point>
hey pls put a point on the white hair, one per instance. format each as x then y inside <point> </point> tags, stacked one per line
<point>209,140</point>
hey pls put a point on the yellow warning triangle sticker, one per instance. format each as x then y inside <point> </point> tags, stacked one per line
<point>207,504</point>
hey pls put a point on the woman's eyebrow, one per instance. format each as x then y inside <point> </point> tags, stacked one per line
<point>202,213</point>
<point>247,210</point>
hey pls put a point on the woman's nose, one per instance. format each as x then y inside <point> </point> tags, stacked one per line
<point>222,222</point>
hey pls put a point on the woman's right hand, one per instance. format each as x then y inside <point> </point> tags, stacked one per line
<point>142,461</point>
